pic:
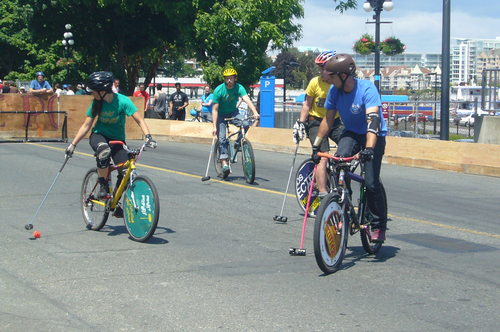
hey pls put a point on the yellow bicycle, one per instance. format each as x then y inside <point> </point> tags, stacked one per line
<point>140,206</point>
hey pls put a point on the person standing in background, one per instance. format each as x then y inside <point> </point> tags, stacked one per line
<point>178,103</point>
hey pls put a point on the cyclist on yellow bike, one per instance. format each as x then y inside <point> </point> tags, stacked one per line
<point>111,110</point>
<point>224,106</point>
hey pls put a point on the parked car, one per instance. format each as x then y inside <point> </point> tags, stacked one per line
<point>467,121</point>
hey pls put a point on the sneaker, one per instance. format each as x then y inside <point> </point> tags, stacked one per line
<point>225,170</point>
<point>103,188</point>
<point>118,213</point>
<point>378,235</point>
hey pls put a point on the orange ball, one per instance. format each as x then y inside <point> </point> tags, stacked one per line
<point>36,234</point>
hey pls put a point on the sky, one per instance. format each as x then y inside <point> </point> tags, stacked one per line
<point>417,23</point>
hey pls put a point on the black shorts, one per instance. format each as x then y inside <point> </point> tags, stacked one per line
<point>312,127</point>
<point>118,154</point>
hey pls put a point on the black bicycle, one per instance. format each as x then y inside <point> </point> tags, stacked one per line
<point>337,215</point>
<point>237,142</point>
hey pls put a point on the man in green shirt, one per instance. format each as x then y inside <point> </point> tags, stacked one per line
<point>225,99</point>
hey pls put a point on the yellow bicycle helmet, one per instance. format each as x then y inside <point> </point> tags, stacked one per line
<point>229,72</point>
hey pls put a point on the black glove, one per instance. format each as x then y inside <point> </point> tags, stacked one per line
<point>150,142</point>
<point>366,154</point>
<point>314,155</point>
<point>69,150</point>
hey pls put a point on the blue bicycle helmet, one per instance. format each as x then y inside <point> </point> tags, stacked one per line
<point>39,73</point>
<point>193,112</point>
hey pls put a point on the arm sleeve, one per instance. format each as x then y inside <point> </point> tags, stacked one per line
<point>241,91</point>
<point>129,107</point>
<point>371,97</point>
<point>330,103</point>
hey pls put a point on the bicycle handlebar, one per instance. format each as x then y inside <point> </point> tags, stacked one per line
<point>338,159</point>
<point>136,152</point>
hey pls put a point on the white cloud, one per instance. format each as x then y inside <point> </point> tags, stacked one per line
<point>420,30</point>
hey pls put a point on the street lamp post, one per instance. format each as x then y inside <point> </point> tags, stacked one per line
<point>67,42</point>
<point>286,66</point>
<point>377,6</point>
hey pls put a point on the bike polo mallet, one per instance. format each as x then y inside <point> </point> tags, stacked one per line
<point>281,217</point>
<point>29,226</point>
<point>301,251</point>
<point>206,177</point>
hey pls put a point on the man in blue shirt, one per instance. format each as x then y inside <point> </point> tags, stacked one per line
<point>40,85</point>
<point>359,106</point>
<point>206,105</point>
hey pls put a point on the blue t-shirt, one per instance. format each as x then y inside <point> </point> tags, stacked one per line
<point>352,106</point>
<point>206,99</point>
<point>35,85</point>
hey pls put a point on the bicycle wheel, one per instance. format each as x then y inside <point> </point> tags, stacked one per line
<point>95,212</point>
<point>248,161</point>
<point>303,179</point>
<point>365,232</point>
<point>141,206</point>
<point>330,233</point>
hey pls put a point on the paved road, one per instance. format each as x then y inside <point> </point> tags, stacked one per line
<point>219,262</point>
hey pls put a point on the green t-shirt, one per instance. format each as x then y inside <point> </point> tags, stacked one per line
<point>111,122</point>
<point>227,99</point>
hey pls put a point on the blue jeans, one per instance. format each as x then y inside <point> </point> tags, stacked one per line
<point>222,133</point>
<point>351,143</point>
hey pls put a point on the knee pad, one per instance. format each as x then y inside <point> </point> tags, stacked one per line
<point>102,155</point>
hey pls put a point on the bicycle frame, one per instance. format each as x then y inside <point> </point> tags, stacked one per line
<point>342,170</point>
<point>127,178</point>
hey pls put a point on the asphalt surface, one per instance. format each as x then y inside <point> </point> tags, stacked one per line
<point>219,262</point>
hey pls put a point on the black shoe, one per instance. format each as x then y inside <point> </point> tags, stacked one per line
<point>118,212</point>
<point>103,188</point>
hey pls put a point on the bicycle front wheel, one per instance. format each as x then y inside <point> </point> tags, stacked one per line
<point>330,233</point>
<point>95,211</point>
<point>141,206</point>
<point>248,161</point>
<point>365,233</point>
<point>303,179</point>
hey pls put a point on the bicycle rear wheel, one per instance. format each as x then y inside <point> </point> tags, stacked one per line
<point>365,232</point>
<point>141,205</point>
<point>330,233</point>
<point>95,211</point>
<point>303,179</point>
<point>248,161</point>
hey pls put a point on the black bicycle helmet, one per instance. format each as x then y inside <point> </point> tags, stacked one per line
<point>100,81</point>
<point>341,64</point>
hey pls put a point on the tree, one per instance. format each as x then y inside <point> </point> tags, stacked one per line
<point>344,5</point>
<point>237,33</point>
<point>134,38</point>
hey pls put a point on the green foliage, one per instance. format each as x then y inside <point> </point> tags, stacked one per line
<point>240,31</point>
<point>390,46</point>
<point>344,5</point>
<point>132,38</point>
<point>364,45</point>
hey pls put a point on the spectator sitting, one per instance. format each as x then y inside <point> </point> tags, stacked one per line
<point>79,90</point>
<point>6,87</point>
<point>22,90</point>
<point>40,85</point>
<point>57,90</point>
<point>13,88</point>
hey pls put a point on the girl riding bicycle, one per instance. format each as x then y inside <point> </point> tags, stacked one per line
<point>111,110</point>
